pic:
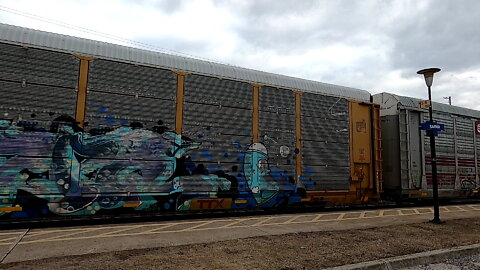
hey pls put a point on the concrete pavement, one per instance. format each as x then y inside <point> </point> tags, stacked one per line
<point>18,245</point>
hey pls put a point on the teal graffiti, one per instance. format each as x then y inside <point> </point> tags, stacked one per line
<point>257,172</point>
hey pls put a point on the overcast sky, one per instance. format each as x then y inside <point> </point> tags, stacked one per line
<point>376,45</point>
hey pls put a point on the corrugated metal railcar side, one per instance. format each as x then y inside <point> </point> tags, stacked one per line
<point>407,161</point>
<point>81,135</point>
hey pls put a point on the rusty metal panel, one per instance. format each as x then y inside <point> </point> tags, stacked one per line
<point>37,66</point>
<point>133,80</point>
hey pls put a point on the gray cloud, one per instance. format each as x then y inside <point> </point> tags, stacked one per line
<point>289,26</point>
<point>165,6</point>
<point>374,44</point>
<point>175,45</point>
<point>444,33</point>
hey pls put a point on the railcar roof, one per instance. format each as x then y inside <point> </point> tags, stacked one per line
<point>86,47</point>
<point>410,102</point>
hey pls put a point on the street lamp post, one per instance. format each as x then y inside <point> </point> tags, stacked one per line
<point>428,74</point>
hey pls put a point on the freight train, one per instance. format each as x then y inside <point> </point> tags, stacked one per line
<point>92,128</point>
<point>406,149</point>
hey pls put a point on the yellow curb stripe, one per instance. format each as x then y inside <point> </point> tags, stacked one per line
<point>262,222</point>
<point>195,227</point>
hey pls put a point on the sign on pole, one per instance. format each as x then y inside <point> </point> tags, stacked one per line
<point>432,127</point>
<point>424,104</point>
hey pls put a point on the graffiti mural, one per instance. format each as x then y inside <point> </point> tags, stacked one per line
<point>67,171</point>
<point>257,171</point>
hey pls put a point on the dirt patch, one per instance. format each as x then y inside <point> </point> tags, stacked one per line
<point>292,251</point>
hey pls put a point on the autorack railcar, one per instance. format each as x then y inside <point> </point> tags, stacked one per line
<point>88,127</point>
<point>407,170</point>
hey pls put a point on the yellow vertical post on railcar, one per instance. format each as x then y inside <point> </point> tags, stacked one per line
<point>82,90</point>
<point>179,101</point>
<point>361,157</point>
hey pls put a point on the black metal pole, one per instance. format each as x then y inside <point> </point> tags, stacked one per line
<point>436,208</point>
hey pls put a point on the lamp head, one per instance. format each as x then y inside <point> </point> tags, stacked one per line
<point>428,73</point>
